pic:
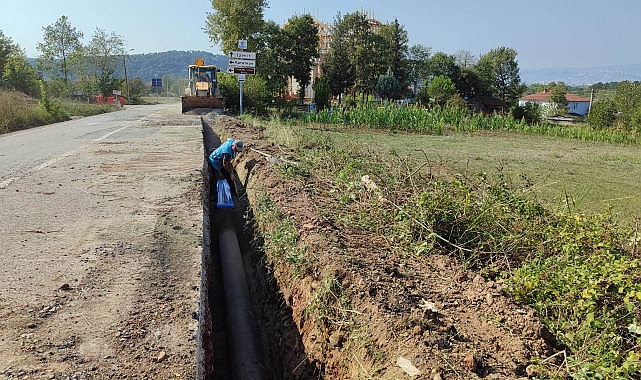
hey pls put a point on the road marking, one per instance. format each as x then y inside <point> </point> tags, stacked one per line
<point>4,184</point>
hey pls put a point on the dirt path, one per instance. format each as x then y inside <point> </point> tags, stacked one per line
<point>100,258</point>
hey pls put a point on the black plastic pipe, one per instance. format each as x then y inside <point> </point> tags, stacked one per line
<point>245,354</point>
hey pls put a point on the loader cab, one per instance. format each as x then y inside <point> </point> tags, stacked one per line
<point>202,80</point>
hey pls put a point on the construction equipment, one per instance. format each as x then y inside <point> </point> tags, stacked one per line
<point>202,91</point>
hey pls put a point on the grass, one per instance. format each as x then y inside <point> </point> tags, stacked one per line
<point>18,111</point>
<point>534,210</point>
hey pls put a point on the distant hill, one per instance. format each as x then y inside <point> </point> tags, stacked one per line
<point>583,76</point>
<point>169,63</point>
<point>174,64</point>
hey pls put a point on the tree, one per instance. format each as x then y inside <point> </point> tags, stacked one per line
<point>499,74</point>
<point>19,75</point>
<point>558,100</point>
<point>321,92</point>
<point>370,63</point>
<point>417,58</point>
<point>602,115</point>
<point>396,39</point>
<point>136,89</point>
<point>7,48</point>
<point>270,55</point>
<point>464,59</point>
<point>61,43</point>
<point>301,47</point>
<point>104,53</point>
<point>441,64</point>
<point>337,65</point>
<point>387,87</point>
<point>441,89</point>
<point>234,20</point>
<point>627,98</point>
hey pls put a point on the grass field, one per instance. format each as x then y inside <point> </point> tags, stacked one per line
<point>576,266</point>
<point>575,175</point>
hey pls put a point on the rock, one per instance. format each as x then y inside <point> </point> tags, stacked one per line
<point>407,366</point>
<point>161,356</point>
<point>532,370</point>
<point>65,287</point>
<point>470,363</point>
<point>32,325</point>
<point>489,299</point>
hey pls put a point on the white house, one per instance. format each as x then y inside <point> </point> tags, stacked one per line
<point>576,104</point>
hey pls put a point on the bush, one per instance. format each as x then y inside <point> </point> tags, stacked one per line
<point>602,115</point>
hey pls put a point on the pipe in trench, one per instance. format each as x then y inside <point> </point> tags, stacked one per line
<point>245,354</point>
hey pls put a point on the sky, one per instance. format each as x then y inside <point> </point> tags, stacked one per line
<point>545,33</point>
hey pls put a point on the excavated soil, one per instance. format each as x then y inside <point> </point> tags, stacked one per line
<point>420,317</point>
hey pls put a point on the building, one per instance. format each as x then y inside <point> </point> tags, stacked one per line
<point>577,105</point>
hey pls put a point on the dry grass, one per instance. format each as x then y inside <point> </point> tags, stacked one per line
<point>18,111</point>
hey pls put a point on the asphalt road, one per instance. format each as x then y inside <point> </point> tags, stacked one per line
<point>96,214</point>
<point>25,153</point>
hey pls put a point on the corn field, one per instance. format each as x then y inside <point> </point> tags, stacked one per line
<point>437,121</point>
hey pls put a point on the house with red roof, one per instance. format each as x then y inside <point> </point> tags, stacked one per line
<point>577,105</point>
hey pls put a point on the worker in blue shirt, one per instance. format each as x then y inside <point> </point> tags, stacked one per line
<point>221,159</point>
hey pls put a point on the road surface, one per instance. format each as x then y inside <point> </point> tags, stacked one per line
<point>100,226</point>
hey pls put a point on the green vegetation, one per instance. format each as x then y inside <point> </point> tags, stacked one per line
<point>18,111</point>
<point>577,266</point>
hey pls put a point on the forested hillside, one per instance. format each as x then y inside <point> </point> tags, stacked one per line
<point>169,63</point>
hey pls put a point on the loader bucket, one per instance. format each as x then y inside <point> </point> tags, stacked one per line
<point>190,103</point>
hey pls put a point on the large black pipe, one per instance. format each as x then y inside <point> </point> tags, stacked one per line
<point>244,344</point>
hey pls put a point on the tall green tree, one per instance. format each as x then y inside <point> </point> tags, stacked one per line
<point>627,98</point>
<point>337,65</point>
<point>61,43</point>
<point>357,34</point>
<point>15,72</point>
<point>235,20</point>
<point>417,58</point>
<point>441,64</point>
<point>558,99</point>
<point>19,75</point>
<point>301,49</point>
<point>270,58</point>
<point>396,39</point>
<point>499,74</point>
<point>371,63</point>
<point>7,47</point>
<point>105,51</point>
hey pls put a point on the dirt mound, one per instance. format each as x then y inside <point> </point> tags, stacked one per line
<point>424,316</point>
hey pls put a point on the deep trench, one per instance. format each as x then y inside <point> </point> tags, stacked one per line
<point>245,327</point>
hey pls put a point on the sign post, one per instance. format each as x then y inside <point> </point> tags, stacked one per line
<point>242,63</point>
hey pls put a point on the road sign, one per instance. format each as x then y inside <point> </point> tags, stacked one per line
<point>242,77</point>
<point>242,63</point>
<point>156,82</point>
<point>242,55</point>
<point>242,44</point>
<point>241,70</point>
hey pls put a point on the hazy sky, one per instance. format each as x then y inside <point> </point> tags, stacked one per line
<point>545,33</point>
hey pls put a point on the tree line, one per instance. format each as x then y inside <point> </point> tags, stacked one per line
<point>365,58</point>
<point>69,66</point>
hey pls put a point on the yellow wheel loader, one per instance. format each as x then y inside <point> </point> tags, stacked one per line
<point>202,91</point>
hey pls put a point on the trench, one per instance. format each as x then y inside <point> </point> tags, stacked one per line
<point>245,327</point>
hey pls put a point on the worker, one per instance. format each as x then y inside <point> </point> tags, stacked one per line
<point>221,159</point>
